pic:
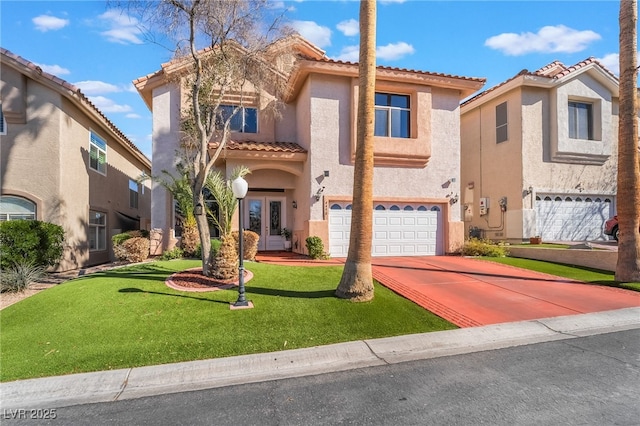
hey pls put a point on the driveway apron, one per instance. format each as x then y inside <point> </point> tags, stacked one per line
<point>470,292</point>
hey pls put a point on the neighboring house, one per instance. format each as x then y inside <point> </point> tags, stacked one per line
<point>302,164</point>
<point>539,155</point>
<point>64,162</point>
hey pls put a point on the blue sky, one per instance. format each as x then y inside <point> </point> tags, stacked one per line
<point>101,50</point>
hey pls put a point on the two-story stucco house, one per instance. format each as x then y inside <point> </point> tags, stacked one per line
<point>539,154</point>
<point>302,164</point>
<point>64,162</point>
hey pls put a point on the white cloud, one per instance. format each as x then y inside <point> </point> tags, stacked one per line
<point>393,51</point>
<point>350,27</point>
<point>46,23</point>
<point>56,70</point>
<point>133,115</point>
<point>316,34</point>
<point>391,1</point>
<point>390,52</point>
<point>108,105</point>
<point>612,62</point>
<point>349,54</point>
<point>93,87</point>
<point>124,29</point>
<point>550,39</point>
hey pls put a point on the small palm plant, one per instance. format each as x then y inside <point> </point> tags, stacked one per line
<point>224,263</point>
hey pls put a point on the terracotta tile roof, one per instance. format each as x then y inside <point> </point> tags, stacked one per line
<point>73,91</point>
<point>380,67</point>
<point>288,147</point>
<point>553,71</point>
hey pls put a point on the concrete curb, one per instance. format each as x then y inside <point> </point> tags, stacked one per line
<point>105,386</point>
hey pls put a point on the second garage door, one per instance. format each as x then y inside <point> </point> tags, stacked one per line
<point>572,218</point>
<point>398,230</point>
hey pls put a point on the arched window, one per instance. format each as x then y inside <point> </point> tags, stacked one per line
<point>422,209</point>
<point>380,207</point>
<point>588,200</point>
<point>16,208</point>
<point>435,209</point>
<point>349,207</point>
<point>408,208</point>
<point>578,199</point>
<point>336,207</point>
<point>394,207</point>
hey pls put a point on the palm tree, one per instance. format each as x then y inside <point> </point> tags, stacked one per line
<point>628,197</point>
<point>224,265</point>
<point>356,283</point>
<point>180,189</point>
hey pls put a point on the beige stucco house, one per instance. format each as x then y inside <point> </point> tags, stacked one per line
<point>539,155</point>
<point>302,163</point>
<point>64,162</point>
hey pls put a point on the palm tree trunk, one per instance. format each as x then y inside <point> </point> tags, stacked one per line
<point>356,283</point>
<point>628,199</point>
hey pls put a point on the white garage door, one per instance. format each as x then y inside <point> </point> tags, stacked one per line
<point>572,218</point>
<point>398,230</point>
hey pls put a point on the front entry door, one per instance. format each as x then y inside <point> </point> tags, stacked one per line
<point>266,217</point>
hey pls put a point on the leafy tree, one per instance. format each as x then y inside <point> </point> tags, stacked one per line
<point>356,283</point>
<point>628,267</point>
<point>238,67</point>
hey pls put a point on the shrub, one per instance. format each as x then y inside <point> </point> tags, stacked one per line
<point>19,277</point>
<point>137,249</point>
<point>215,247</point>
<point>120,238</point>
<point>250,243</point>
<point>224,265</point>
<point>174,253</point>
<point>478,247</point>
<point>315,247</point>
<point>30,242</point>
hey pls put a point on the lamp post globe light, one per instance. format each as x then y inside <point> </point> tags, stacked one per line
<point>240,187</point>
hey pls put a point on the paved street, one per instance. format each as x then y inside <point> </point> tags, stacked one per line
<point>587,381</point>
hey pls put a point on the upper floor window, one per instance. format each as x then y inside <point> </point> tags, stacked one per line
<point>16,208</point>
<point>393,115</point>
<point>98,154</point>
<point>501,123</point>
<point>580,120</point>
<point>133,194</point>
<point>244,121</point>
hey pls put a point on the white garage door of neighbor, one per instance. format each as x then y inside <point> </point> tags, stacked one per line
<point>572,218</point>
<point>398,230</point>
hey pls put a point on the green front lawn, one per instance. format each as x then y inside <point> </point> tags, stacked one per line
<point>589,275</point>
<point>129,317</point>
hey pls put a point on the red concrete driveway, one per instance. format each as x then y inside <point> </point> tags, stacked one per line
<point>470,292</point>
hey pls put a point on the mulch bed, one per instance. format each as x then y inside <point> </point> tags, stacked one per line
<point>193,280</point>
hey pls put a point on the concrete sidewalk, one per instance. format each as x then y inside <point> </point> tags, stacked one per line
<point>105,386</point>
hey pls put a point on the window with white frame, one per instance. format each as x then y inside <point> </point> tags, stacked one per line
<point>502,133</point>
<point>133,194</point>
<point>580,120</point>
<point>245,119</point>
<point>16,208</point>
<point>98,154</point>
<point>392,115</point>
<point>97,231</point>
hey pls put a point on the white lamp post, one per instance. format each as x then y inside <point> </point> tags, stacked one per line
<point>240,187</point>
